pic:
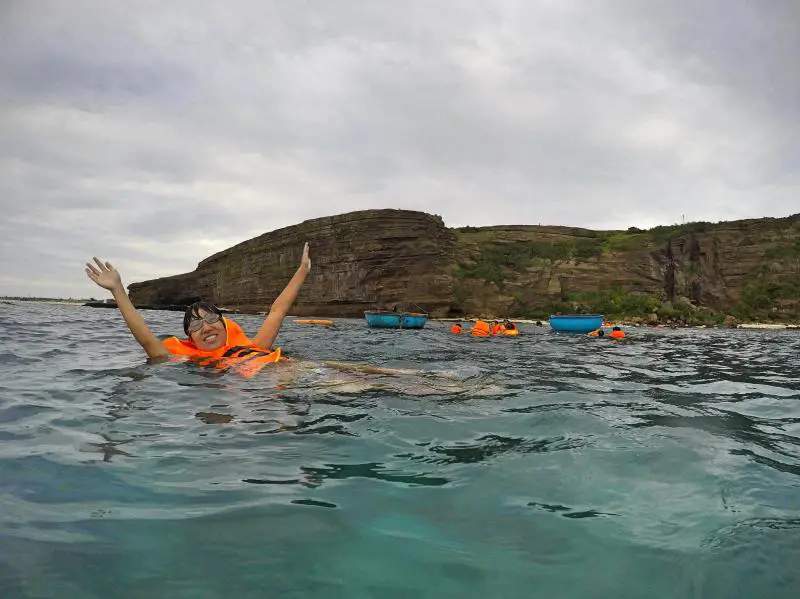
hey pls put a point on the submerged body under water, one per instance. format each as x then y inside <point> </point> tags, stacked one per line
<point>663,465</point>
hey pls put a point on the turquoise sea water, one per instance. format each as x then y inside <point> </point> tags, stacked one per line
<point>666,465</point>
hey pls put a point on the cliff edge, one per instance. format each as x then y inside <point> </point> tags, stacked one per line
<point>360,261</point>
<point>380,258</point>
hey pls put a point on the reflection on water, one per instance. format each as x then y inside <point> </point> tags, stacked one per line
<point>665,465</point>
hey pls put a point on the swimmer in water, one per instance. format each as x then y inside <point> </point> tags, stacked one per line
<point>219,342</point>
<point>210,335</point>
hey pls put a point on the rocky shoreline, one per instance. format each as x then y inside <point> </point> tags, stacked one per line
<point>633,321</point>
<point>630,321</point>
<point>637,322</point>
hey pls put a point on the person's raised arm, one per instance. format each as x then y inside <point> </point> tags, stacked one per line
<point>272,323</point>
<point>107,277</point>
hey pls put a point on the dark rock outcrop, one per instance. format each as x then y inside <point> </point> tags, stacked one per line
<point>359,261</point>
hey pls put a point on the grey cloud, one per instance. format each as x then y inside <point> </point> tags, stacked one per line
<point>92,82</point>
<point>158,133</point>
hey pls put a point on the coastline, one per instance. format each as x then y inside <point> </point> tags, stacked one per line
<point>624,322</point>
<point>630,321</point>
<point>64,302</point>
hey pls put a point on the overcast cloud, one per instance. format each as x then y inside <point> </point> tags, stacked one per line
<point>156,133</point>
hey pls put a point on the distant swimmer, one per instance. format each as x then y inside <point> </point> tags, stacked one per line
<point>597,333</point>
<point>510,328</point>
<point>480,329</point>
<point>456,329</point>
<point>617,333</point>
<point>213,340</point>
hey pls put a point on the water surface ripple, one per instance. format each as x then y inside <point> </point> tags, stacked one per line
<point>664,465</point>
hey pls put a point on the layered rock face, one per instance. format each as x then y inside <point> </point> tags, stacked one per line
<point>508,270</point>
<point>379,258</point>
<point>360,261</point>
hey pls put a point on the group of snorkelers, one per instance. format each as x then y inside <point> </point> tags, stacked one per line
<point>483,328</point>
<point>614,333</point>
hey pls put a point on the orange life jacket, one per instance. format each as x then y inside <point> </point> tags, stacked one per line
<point>498,329</point>
<point>239,352</point>
<point>480,329</point>
<point>617,334</point>
<point>511,332</point>
<point>456,328</point>
<point>595,333</point>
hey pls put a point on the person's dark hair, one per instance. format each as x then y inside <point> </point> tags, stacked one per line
<point>616,329</point>
<point>601,333</point>
<point>194,311</point>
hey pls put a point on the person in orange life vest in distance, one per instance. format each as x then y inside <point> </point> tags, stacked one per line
<point>210,334</point>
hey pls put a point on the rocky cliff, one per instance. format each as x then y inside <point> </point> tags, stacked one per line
<point>748,267</point>
<point>378,258</point>
<point>360,261</point>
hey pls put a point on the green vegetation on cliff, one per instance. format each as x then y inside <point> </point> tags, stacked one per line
<point>694,272</point>
<point>496,263</point>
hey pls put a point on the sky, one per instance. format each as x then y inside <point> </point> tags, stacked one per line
<point>154,134</point>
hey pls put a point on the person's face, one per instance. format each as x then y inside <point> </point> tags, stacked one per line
<point>207,330</point>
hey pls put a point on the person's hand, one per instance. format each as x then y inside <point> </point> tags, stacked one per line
<point>305,261</point>
<point>105,275</point>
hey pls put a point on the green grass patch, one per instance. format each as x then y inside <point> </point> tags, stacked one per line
<point>789,250</point>
<point>614,302</point>
<point>622,241</point>
<point>761,294</point>
<point>585,248</point>
<point>663,233</point>
<point>497,262</point>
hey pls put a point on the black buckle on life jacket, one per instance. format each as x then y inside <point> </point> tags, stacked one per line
<point>240,351</point>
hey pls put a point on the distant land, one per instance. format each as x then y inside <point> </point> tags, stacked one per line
<point>692,273</point>
<point>60,300</point>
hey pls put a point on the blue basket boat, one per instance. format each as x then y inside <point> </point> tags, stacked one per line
<point>395,320</point>
<point>576,323</point>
